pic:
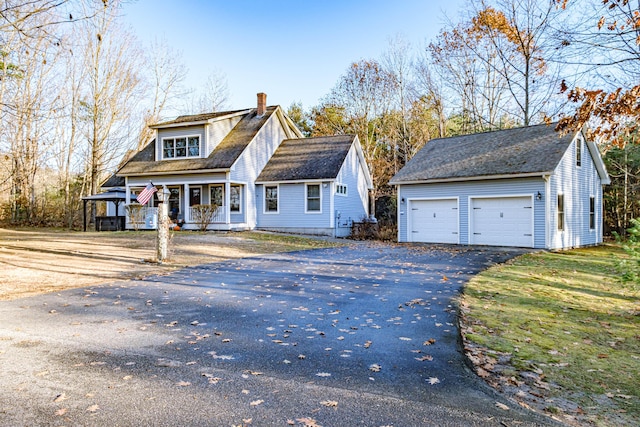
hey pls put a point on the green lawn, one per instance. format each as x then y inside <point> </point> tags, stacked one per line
<point>568,317</point>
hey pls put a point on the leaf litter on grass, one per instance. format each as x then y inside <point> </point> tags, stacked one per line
<point>558,332</point>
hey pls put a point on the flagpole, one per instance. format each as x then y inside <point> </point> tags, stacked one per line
<point>162,239</point>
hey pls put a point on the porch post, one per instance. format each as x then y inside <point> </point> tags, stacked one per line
<point>127,202</point>
<point>227,202</point>
<point>187,204</point>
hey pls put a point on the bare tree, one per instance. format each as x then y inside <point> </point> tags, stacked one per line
<point>398,63</point>
<point>110,94</point>
<point>476,89</point>
<point>166,75</point>
<point>29,102</point>
<point>604,45</point>
<point>213,96</point>
<point>521,33</point>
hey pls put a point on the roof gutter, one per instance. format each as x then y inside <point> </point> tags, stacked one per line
<point>295,181</point>
<point>199,122</point>
<point>473,178</point>
<point>188,172</point>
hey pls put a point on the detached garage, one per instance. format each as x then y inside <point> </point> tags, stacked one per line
<point>523,187</point>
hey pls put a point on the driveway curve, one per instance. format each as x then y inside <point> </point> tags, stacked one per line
<point>359,335</point>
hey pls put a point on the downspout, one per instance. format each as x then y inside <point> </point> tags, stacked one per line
<point>227,199</point>
<point>547,211</point>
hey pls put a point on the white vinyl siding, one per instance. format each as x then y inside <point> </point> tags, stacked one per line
<point>353,206</point>
<point>249,165</point>
<point>577,184</point>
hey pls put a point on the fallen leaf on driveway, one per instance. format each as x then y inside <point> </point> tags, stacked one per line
<point>183,384</point>
<point>93,408</point>
<point>329,403</point>
<point>375,367</point>
<point>256,402</point>
<point>308,422</point>
<point>60,412</point>
<point>502,406</point>
<point>430,341</point>
<point>425,357</point>
<point>433,380</point>
<point>60,398</point>
<point>323,374</point>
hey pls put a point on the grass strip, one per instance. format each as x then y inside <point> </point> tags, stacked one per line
<point>566,320</point>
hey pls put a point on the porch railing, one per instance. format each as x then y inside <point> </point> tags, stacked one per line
<point>218,216</point>
<point>142,217</point>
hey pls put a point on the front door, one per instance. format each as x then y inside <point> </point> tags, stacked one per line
<point>195,196</point>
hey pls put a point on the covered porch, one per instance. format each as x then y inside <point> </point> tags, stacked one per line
<point>230,199</point>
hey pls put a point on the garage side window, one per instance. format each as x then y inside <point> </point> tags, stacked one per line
<point>271,198</point>
<point>560,212</point>
<point>592,213</point>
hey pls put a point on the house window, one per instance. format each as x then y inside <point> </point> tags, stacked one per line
<point>560,212</point>
<point>235,197</point>
<point>592,213</point>
<point>174,203</point>
<point>176,148</point>
<point>313,198</point>
<point>341,189</point>
<point>217,195</point>
<point>271,198</point>
<point>578,151</point>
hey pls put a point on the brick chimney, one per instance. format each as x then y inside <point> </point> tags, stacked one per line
<point>262,104</point>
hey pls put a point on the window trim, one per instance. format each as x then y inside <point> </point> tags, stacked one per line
<point>264,198</point>
<point>239,186</point>
<point>592,213</point>
<point>162,156</point>
<point>346,190</point>
<point>578,152</point>
<point>211,187</point>
<point>306,198</point>
<point>561,212</point>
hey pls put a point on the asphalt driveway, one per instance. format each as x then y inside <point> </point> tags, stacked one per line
<point>359,335</point>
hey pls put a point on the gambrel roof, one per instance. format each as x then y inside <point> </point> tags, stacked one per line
<point>221,158</point>
<point>525,151</point>
<point>307,159</point>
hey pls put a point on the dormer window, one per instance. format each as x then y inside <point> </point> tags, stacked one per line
<point>181,147</point>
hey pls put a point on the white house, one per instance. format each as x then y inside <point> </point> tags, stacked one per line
<point>218,157</point>
<point>524,187</point>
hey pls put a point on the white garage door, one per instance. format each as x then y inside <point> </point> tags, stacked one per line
<point>502,221</point>
<point>433,221</point>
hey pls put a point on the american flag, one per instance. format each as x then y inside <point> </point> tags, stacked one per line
<point>146,194</point>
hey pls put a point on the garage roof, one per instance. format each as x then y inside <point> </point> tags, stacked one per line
<point>532,150</point>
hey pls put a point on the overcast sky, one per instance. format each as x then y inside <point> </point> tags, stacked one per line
<point>295,51</point>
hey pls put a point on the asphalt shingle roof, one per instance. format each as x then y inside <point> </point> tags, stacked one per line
<point>307,159</point>
<point>525,150</point>
<point>222,157</point>
<point>197,117</point>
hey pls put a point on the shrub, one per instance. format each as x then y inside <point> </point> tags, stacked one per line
<point>203,215</point>
<point>134,212</point>
<point>630,267</point>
